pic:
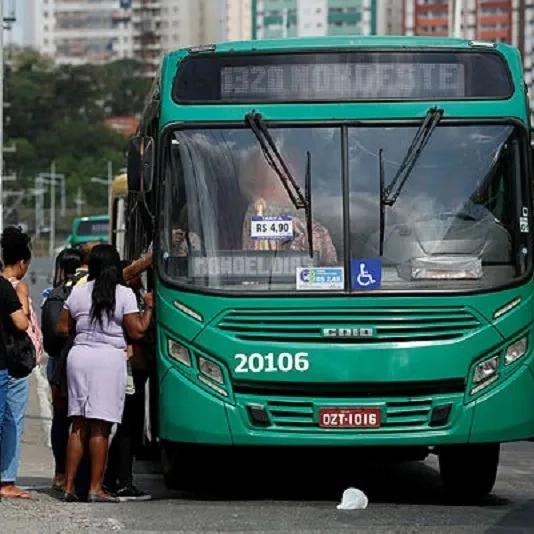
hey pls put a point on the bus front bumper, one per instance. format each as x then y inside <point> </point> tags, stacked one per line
<point>190,413</point>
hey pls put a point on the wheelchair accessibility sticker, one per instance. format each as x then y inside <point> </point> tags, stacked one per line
<point>315,278</point>
<point>366,274</point>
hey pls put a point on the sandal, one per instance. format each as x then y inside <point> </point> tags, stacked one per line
<point>58,484</point>
<point>94,497</point>
<point>70,497</point>
<point>14,493</point>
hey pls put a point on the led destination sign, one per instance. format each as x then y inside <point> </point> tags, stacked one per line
<point>345,76</point>
<point>325,81</point>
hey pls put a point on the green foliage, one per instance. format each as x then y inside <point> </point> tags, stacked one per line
<point>57,114</point>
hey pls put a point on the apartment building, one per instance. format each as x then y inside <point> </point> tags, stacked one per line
<point>509,21</point>
<point>76,31</point>
<point>96,31</point>
<point>492,20</point>
<point>237,20</point>
<point>291,18</point>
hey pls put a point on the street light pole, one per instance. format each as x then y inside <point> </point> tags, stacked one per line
<point>37,194</point>
<point>106,181</point>
<point>51,242</point>
<point>63,197</point>
<point>110,180</point>
<point>79,201</point>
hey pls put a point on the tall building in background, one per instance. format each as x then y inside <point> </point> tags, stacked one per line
<point>238,20</point>
<point>82,31</point>
<point>491,20</point>
<point>97,31</point>
<point>508,21</point>
<point>273,19</point>
<point>160,26</point>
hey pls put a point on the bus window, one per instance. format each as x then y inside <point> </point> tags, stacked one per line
<point>457,201</point>
<point>216,179</point>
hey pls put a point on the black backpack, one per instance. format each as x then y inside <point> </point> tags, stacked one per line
<point>20,352</point>
<point>50,311</point>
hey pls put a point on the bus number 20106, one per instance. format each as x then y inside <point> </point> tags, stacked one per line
<point>271,363</point>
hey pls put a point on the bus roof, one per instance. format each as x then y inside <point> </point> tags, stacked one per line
<point>345,41</point>
<point>493,74</point>
<point>120,185</point>
<point>102,217</point>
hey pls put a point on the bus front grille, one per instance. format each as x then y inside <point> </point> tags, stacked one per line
<point>396,415</point>
<point>388,325</point>
<point>297,391</point>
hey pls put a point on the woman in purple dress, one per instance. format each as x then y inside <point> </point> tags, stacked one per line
<point>101,313</point>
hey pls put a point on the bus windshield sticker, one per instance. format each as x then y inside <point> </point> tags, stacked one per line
<point>320,278</point>
<point>523,221</point>
<point>272,228</point>
<point>366,273</point>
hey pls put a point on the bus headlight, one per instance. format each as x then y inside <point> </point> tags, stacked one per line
<point>179,353</point>
<point>485,373</point>
<point>516,350</point>
<point>211,370</point>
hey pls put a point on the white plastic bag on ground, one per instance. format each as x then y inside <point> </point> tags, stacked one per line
<point>353,499</point>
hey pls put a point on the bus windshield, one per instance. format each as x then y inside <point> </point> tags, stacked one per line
<point>459,222</point>
<point>96,227</point>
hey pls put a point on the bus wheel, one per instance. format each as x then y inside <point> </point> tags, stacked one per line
<point>178,472</point>
<point>469,472</point>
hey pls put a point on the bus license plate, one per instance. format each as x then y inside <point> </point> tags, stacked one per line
<point>349,417</point>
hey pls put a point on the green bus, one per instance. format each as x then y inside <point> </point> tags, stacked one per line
<point>342,251</point>
<point>87,229</point>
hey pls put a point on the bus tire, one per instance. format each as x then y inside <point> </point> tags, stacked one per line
<point>469,472</point>
<point>177,467</point>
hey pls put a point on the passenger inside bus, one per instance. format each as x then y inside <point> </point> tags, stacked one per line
<point>183,241</point>
<point>267,196</point>
<point>207,209</point>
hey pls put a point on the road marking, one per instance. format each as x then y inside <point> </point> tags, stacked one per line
<point>45,407</point>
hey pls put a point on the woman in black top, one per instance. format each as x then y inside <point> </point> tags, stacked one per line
<point>11,314</point>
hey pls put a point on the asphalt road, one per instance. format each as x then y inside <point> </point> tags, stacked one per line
<point>404,498</point>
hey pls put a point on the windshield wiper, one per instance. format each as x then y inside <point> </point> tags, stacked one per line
<point>420,140</point>
<point>275,160</point>
<point>382,175</point>
<point>307,192</point>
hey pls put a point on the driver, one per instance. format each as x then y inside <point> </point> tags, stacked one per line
<point>267,196</point>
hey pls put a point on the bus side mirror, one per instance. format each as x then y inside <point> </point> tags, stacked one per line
<point>140,164</point>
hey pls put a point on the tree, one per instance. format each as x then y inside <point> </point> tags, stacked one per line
<point>57,113</point>
<point>126,87</point>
